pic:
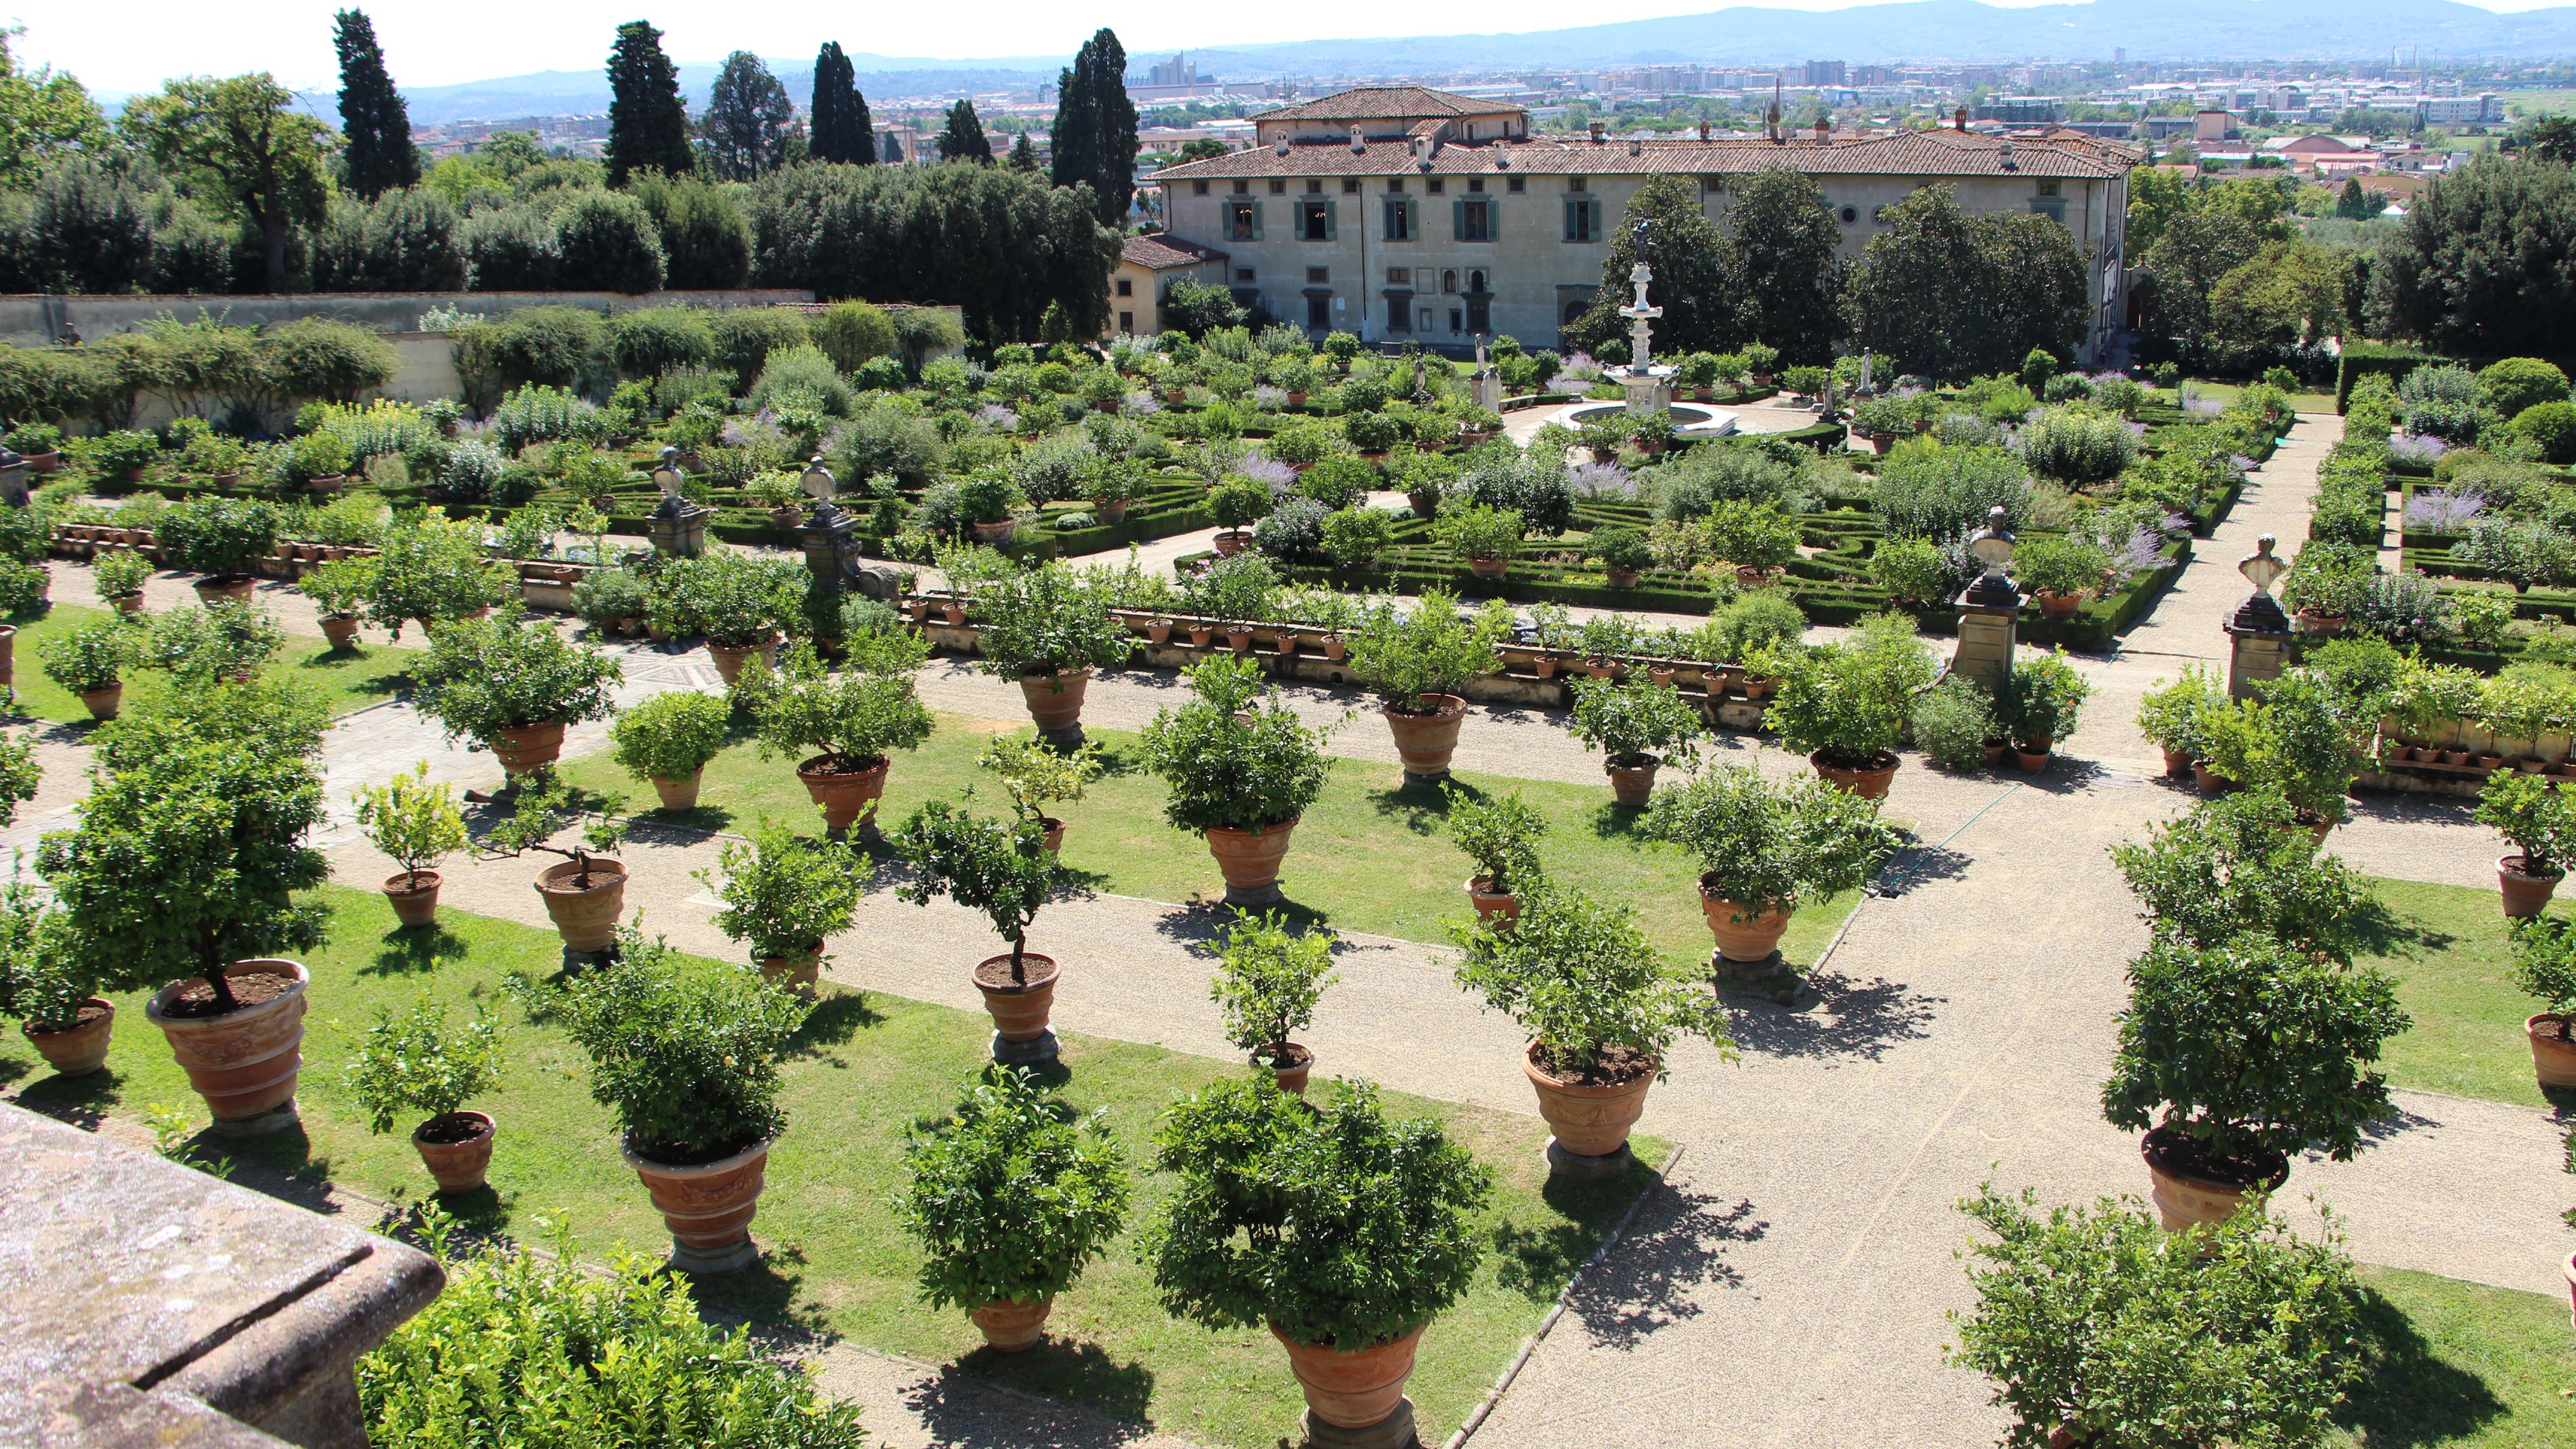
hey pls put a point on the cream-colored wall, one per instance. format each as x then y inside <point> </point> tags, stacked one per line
<point>1147,286</point>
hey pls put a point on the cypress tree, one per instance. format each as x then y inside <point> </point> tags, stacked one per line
<point>840,128</point>
<point>1095,126</point>
<point>1024,155</point>
<point>648,123</point>
<point>964,139</point>
<point>372,114</point>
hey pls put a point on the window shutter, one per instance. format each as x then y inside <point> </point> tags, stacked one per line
<point>1573,221</point>
<point>1256,221</point>
<point>1597,233</point>
<point>1493,220</point>
<point>1412,220</point>
<point>1458,221</point>
<point>1332,220</point>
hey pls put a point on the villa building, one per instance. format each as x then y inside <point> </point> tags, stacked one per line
<point>1404,214</point>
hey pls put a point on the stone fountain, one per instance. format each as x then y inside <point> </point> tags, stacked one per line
<point>1649,388</point>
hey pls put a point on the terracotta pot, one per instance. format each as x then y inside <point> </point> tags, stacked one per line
<point>1489,568</point>
<point>1491,905</point>
<point>585,918</point>
<point>1751,939</point>
<point>681,794</point>
<point>2031,761</point>
<point>2553,1054</point>
<point>2206,780</point>
<point>1114,511</point>
<point>995,532</point>
<point>729,660</point>
<point>224,586</point>
<point>102,704</point>
<point>1633,787</point>
<point>1623,578</point>
<point>1425,742</point>
<point>81,1050</point>
<point>2056,605</point>
<point>44,462</point>
<point>844,795</point>
<point>1019,1012</point>
<point>2176,762</point>
<point>2524,893</point>
<point>242,1062</point>
<point>327,485</point>
<point>526,749</point>
<point>2184,1200</point>
<point>1334,647</point>
<point>458,1166</point>
<point>1232,541</point>
<point>2569,1268</point>
<point>1351,1390</point>
<point>953,611</point>
<point>1250,859</point>
<point>414,898</point>
<point>1587,1121</point>
<point>133,604</point>
<point>1055,700</point>
<point>1054,833</point>
<point>1542,666</point>
<point>341,632</point>
<point>1869,784</point>
<point>708,1207</point>
<point>1201,635</point>
<point>798,972</point>
<point>1159,632</point>
<point>1010,1327</point>
<point>1294,1071</point>
<point>1284,643</point>
<point>1600,668</point>
<point>1239,638</point>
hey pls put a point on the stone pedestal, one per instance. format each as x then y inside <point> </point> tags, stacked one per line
<point>681,532</point>
<point>1037,1051</point>
<point>2256,656</point>
<point>1985,648</point>
<point>1395,1431</point>
<point>1648,395</point>
<point>1769,977</point>
<point>1587,1167</point>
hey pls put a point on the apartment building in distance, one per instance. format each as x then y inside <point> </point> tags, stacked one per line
<point>1404,214</point>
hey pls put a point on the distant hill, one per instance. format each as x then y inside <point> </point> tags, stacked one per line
<point>1915,30</point>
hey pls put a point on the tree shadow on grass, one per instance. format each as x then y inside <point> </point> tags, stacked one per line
<point>1422,809</point>
<point>839,1015</point>
<point>1611,820</point>
<point>771,1290</point>
<point>2407,1395</point>
<point>1060,1368</point>
<point>2379,931</point>
<point>1536,1261</point>
<point>411,950</point>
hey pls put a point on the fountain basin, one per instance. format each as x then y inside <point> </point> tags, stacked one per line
<point>1690,420</point>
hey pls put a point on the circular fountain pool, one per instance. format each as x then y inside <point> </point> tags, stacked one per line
<point>1691,420</point>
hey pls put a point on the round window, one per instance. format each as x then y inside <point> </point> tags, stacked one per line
<point>1850,214</point>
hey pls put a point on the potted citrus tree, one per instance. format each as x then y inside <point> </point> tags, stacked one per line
<point>1628,722</point>
<point>1602,1010</point>
<point>1764,849</point>
<point>1482,538</point>
<point>431,570</point>
<point>2235,1056</point>
<point>1047,630</point>
<point>90,660</point>
<point>784,894</point>
<point>1845,704</point>
<point>1268,979</point>
<point>45,986</point>
<point>685,1054</point>
<point>223,539</point>
<point>1241,768</point>
<point>741,605</point>
<point>2059,570</point>
<point>583,895</point>
<point>1005,872</point>
<point>1419,661</point>
<point>1034,775</point>
<point>416,824</point>
<point>2235,866</point>
<point>1342,1232</point>
<point>846,726</point>
<point>2540,825</point>
<point>120,576</point>
<point>339,590</point>
<point>1500,835</point>
<point>416,1065</point>
<point>2039,705</point>
<point>2544,965</point>
<point>2170,716</point>
<point>511,686</point>
<point>668,740</point>
<point>1011,1197</point>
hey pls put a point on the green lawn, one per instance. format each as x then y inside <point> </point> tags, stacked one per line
<point>352,678</point>
<point>2462,1364</point>
<point>1369,856</point>
<point>2306,404</point>
<point>864,1068</point>
<point>2446,947</point>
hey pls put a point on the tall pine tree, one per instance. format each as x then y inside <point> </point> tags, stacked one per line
<point>372,114</point>
<point>964,139</point>
<point>1024,154</point>
<point>648,123</point>
<point>839,127</point>
<point>744,131</point>
<point>1095,126</point>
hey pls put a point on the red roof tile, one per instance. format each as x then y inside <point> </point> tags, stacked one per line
<point>1914,153</point>
<point>1161,253</point>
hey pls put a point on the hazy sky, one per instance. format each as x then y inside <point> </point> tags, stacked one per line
<point>131,45</point>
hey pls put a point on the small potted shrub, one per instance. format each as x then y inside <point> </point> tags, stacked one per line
<point>1268,980</point>
<point>2233,866</point>
<point>225,539</point>
<point>120,576</point>
<point>1500,835</point>
<point>121,456</point>
<point>90,660</point>
<point>1765,848</point>
<point>1048,630</point>
<point>41,444</point>
<point>1604,642</point>
<point>2099,1330</point>
<point>584,895</point>
<point>2171,716</point>
<point>1005,872</point>
<point>435,571</point>
<point>985,501</point>
<point>668,740</point>
<point>1419,660</point>
<point>1629,722</point>
<point>2544,965</point>
<point>783,895</point>
<point>1241,768</point>
<point>1011,1198</point>
<point>1622,553</point>
<point>2038,706</point>
<point>1602,1010</point>
<point>686,1055</point>
<point>1034,775</point>
<point>2291,743</point>
<point>1759,539</point>
<point>614,601</point>
<point>2059,570</point>
<point>226,639</point>
<point>44,984</point>
<point>2233,1057</point>
<point>1952,721</point>
<point>416,825</point>
<point>511,687</point>
<point>1480,537</point>
<point>846,727</point>
<point>1236,504</point>
<point>339,590</point>
<point>1341,1232</point>
<point>2540,824</point>
<point>740,605</point>
<point>414,1065</point>
<point>1845,704</point>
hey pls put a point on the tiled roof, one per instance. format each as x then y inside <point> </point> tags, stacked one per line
<point>1162,253</point>
<point>1385,103</point>
<point>1910,153</point>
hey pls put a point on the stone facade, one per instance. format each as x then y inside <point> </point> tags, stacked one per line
<point>1376,212</point>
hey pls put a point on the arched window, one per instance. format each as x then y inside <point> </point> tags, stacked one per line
<point>1449,280</point>
<point>1574,311</point>
<point>1475,282</point>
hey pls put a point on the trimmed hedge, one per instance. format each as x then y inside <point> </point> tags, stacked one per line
<point>2362,359</point>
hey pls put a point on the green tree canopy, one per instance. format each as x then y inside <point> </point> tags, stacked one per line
<point>1786,264</point>
<point>1665,228</point>
<point>373,118</point>
<point>839,128</point>
<point>241,141</point>
<point>42,116</point>
<point>1950,295</point>
<point>2485,265</point>
<point>963,138</point>
<point>744,131</point>
<point>648,122</point>
<point>1095,127</point>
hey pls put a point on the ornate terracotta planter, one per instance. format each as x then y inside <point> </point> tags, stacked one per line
<point>1633,786</point>
<point>1425,742</point>
<point>1489,568</point>
<point>2553,1053</point>
<point>1491,905</point>
<point>586,918</point>
<point>995,533</point>
<point>1055,700</point>
<point>1019,1011</point>
<point>235,587</point>
<point>845,795</point>
<point>243,1062</point>
<point>341,632</point>
<point>1351,1390</point>
<point>103,704</point>
<point>1054,833</point>
<point>2187,1200</point>
<point>729,660</point>
<point>413,897</point>
<point>459,1166</point>
<point>1010,1327</point>
<point>525,749</point>
<point>1587,1121</point>
<point>1232,541</point>
<point>1750,939</point>
<point>2056,605</point>
<point>1250,860</point>
<point>2524,892</point>
<point>1870,783</point>
<point>1112,510</point>
<point>1623,578</point>
<point>797,973</point>
<point>81,1050</point>
<point>708,1207</point>
<point>679,795</point>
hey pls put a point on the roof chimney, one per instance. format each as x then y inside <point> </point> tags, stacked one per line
<point>1703,130</point>
<point>1359,143</point>
<point>2009,163</point>
<point>1959,122</point>
<point>1280,145</point>
<point>1636,146</point>
<point>1597,129</point>
<point>1824,128</point>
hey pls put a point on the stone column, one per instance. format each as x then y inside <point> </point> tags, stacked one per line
<point>2258,632</point>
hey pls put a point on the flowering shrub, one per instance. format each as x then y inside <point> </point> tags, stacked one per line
<point>2441,511</point>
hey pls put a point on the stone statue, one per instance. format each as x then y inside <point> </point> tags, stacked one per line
<point>1863,388</point>
<point>2260,613</point>
<point>2260,568</point>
